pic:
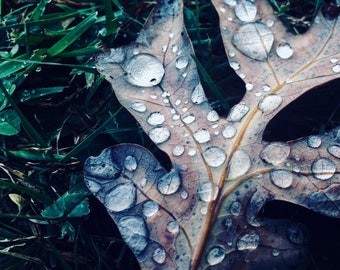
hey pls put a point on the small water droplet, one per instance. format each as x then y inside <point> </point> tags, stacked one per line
<point>281,178</point>
<point>228,222</point>
<point>230,3</point>
<point>214,156</point>
<point>184,109</point>
<point>197,95</point>
<point>204,210</point>
<point>235,208</point>
<point>295,235</point>
<point>174,48</point>
<point>130,163</point>
<point>334,60</point>
<point>239,164</point>
<point>156,118</point>
<point>171,35</point>
<point>213,116</point>
<point>270,103</point>
<point>206,193</point>
<point>164,48</point>
<point>336,68</point>
<point>248,241</point>
<point>159,255</point>
<point>289,80</point>
<point>323,168</point>
<point>284,50</point>
<point>237,112</point>
<point>189,119</point>
<point>215,255</point>
<point>182,62</point>
<point>178,102</point>
<point>159,135</point>
<point>184,195</point>
<point>38,69</point>
<point>314,141</point>
<point>202,136</point>
<point>258,94</point>
<point>249,86</point>
<point>246,11</point>
<point>192,152</point>
<point>266,88</point>
<point>173,227</point>
<point>231,53</point>
<point>222,9</point>
<point>234,65</point>
<point>270,22</point>
<point>275,153</point>
<point>229,131</point>
<point>275,252</point>
<point>169,183</point>
<point>150,208</point>
<point>121,197</point>
<point>143,182</point>
<point>138,107</point>
<point>144,70</point>
<point>176,117</point>
<point>153,96</point>
<point>178,150</point>
<point>334,150</point>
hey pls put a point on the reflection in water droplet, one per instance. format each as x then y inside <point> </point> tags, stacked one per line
<point>214,156</point>
<point>323,168</point>
<point>144,70</point>
<point>275,153</point>
<point>178,150</point>
<point>281,178</point>
<point>284,50</point>
<point>246,11</point>
<point>169,183</point>
<point>334,150</point>
<point>138,107</point>
<point>213,116</point>
<point>336,68</point>
<point>237,112</point>
<point>156,118</point>
<point>202,136</point>
<point>130,163</point>
<point>150,208</point>
<point>248,241</point>
<point>133,232</point>
<point>173,227</point>
<point>197,95</point>
<point>295,235</point>
<point>314,141</point>
<point>206,192</point>
<point>275,252</point>
<point>204,210</point>
<point>270,103</point>
<point>159,255</point>
<point>215,255</point>
<point>235,208</point>
<point>159,135</point>
<point>239,164</point>
<point>234,65</point>
<point>182,62</point>
<point>189,119</point>
<point>184,195</point>
<point>229,131</point>
<point>121,197</point>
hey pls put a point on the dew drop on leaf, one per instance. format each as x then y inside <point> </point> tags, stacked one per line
<point>189,119</point>
<point>275,153</point>
<point>121,197</point>
<point>323,168</point>
<point>248,241</point>
<point>215,255</point>
<point>205,192</point>
<point>174,48</point>
<point>235,208</point>
<point>182,62</point>
<point>169,183</point>
<point>173,227</point>
<point>229,131</point>
<point>336,68</point>
<point>314,141</point>
<point>284,50</point>
<point>266,88</point>
<point>334,150</point>
<point>275,252</point>
<point>246,11</point>
<point>156,118</point>
<point>159,134</point>
<point>230,3</point>
<point>281,178</point>
<point>237,112</point>
<point>159,255</point>
<point>204,210</point>
<point>234,65</point>
<point>295,235</point>
<point>150,208</point>
<point>270,103</point>
<point>197,95</point>
<point>192,152</point>
<point>130,163</point>
<point>213,116</point>
<point>214,156</point>
<point>184,195</point>
<point>138,107</point>
<point>178,150</point>
<point>249,86</point>
<point>239,164</point>
<point>202,136</point>
<point>144,70</point>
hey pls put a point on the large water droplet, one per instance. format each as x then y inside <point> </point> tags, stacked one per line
<point>138,107</point>
<point>150,208</point>
<point>254,40</point>
<point>237,112</point>
<point>314,141</point>
<point>173,227</point>
<point>130,163</point>
<point>281,178</point>
<point>156,118</point>
<point>215,255</point>
<point>202,136</point>
<point>284,50</point>
<point>182,62</point>
<point>270,103</point>
<point>246,11</point>
<point>213,116</point>
<point>159,255</point>
<point>121,197</point>
<point>248,241</point>
<point>239,164</point>
<point>189,119</point>
<point>235,208</point>
<point>206,192</point>
<point>275,153</point>
<point>229,131</point>
<point>159,134</point>
<point>144,70</point>
<point>169,183</point>
<point>323,168</point>
<point>334,150</point>
<point>134,232</point>
<point>214,156</point>
<point>178,150</point>
<point>197,95</point>
<point>295,235</point>
<point>336,68</point>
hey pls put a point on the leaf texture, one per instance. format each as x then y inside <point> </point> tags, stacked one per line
<point>203,214</point>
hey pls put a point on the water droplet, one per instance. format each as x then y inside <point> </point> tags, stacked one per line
<point>275,153</point>
<point>234,65</point>
<point>164,48</point>
<point>230,3</point>
<point>133,232</point>
<point>284,50</point>
<point>178,102</point>
<point>143,182</point>
<point>222,9</point>
<point>189,119</point>
<point>249,86</point>
<point>171,35</point>
<point>258,94</point>
<point>159,135</point>
<point>176,117</point>
<point>239,164</point>
<point>254,40</point>
<point>159,255</point>
<point>248,241</point>
<point>182,62</point>
<point>202,136</point>
<point>169,183</point>
<point>156,118</point>
<point>281,178</point>
<point>270,103</point>
<point>38,69</point>
<point>178,150</point>
<point>197,95</point>
<point>334,150</point>
<point>228,222</point>
<point>270,22</point>
<point>275,252</point>
<point>214,156</point>
<point>213,116</point>
<point>138,107</point>
<point>231,53</point>
<point>184,109</point>
<point>173,227</point>
<point>266,88</point>
<point>246,11</point>
<point>235,208</point>
<point>204,210</point>
<point>334,60</point>
<point>295,235</point>
<point>192,152</point>
<point>323,168</point>
<point>121,197</point>
<point>150,208</point>
<point>314,141</point>
<point>215,255</point>
<point>144,70</point>
<point>237,112</point>
<point>229,131</point>
<point>336,68</point>
<point>130,163</point>
<point>174,48</point>
<point>206,192</point>
<point>184,195</point>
